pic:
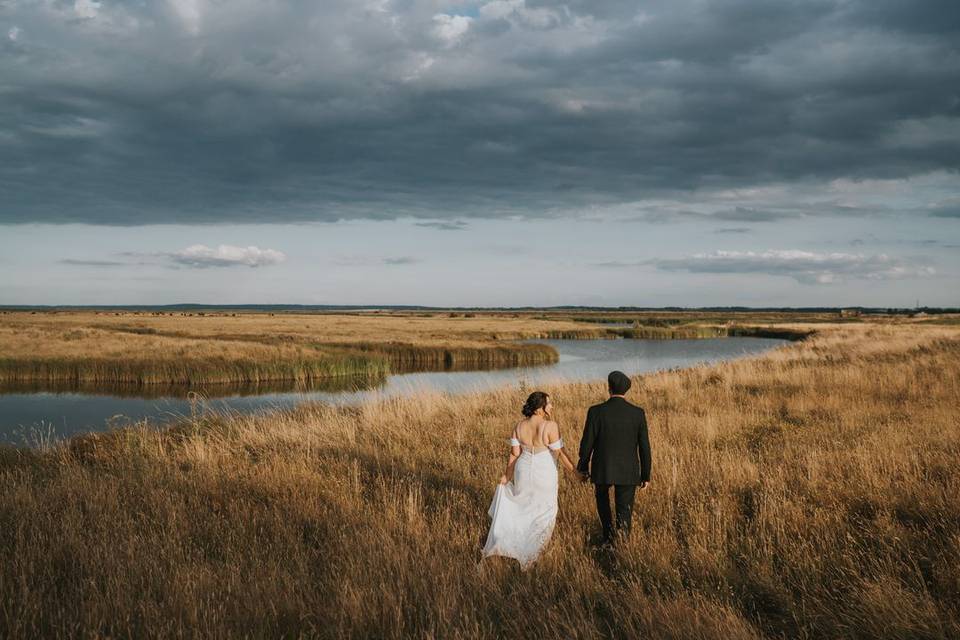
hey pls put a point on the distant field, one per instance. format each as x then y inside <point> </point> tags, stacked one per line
<point>174,348</point>
<point>810,492</point>
<point>192,347</point>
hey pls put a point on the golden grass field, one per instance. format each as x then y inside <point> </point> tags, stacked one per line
<point>812,492</point>
<point>151,348</point>
<point>142,348</point>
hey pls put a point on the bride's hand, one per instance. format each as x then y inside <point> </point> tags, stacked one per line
<point>503,479</point>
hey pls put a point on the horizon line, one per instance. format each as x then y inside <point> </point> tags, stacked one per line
<point>398,307</point>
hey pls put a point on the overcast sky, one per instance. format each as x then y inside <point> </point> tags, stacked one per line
<point>603,152</point>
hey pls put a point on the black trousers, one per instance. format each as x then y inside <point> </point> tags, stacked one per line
<point>623,495</point>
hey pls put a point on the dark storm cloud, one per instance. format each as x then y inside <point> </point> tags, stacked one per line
<point>196,111</point>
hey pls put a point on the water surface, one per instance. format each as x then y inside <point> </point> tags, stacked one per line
<point>31,413</point>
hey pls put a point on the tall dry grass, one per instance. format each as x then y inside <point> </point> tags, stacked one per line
<point>128,348</point>
<point>132,348</point>
<point>811,492</point>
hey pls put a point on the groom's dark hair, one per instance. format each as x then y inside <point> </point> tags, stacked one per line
<point>618,383</point>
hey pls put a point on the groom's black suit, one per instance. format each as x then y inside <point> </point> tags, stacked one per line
<point>615,437</point>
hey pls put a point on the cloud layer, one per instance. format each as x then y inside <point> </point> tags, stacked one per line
<point>198,111</point>
<point>202,256</point>
<point>803,266</point>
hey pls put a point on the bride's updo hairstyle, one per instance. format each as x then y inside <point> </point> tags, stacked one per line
<point>537,400</point>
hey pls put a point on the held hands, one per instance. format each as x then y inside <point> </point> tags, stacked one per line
<point>503,479</point>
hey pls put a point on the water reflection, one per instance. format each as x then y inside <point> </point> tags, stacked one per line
<point>207,389</point>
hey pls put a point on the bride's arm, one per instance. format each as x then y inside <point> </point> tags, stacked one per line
<point>561,452</point>
<point>512,460</point>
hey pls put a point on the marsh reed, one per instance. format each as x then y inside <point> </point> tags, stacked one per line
<point>811,492</point>
<point>88,348</point>
<point>83,348</point>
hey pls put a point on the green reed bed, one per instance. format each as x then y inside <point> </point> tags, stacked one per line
<point>405,357</point>
<point>696,332</point>
<point>330,361</point>
<point>190,371</point>
<point>767,332</point>
<point>700,332</point>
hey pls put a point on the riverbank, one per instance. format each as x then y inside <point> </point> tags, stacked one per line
<point>691,332</point>
<point>137,349</point>
<point>809,492</point>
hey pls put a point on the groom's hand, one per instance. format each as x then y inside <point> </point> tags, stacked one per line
<point>643,485</point>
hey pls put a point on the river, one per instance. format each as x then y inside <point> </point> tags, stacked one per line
<point>27,417</point>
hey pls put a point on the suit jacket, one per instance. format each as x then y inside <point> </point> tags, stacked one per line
<point>615,436</point>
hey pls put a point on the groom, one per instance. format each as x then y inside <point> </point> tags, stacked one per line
<point>615,436</point>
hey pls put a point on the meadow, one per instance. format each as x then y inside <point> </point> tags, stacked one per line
<point>86,348</point>
<point>810,492</point>
<point>148,349</point>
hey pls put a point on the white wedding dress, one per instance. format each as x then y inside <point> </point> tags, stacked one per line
<point>524,511</point>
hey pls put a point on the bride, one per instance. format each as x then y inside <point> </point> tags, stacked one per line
<point>524,506</point>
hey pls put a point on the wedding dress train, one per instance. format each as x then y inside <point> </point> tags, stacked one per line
<point>524,511</point>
